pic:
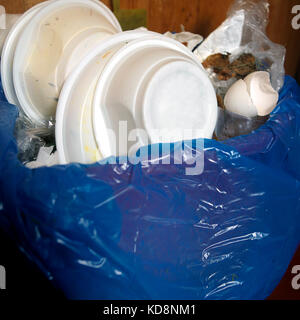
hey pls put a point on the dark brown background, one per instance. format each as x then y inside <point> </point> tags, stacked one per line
<point>198,16</point>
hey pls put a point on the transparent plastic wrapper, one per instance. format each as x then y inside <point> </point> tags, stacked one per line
<point>149,231</point>
<point>46,157</point>
<point>34,140</point>
<point>244,32</point>
<point>191,40</point>
<point>231,125</point>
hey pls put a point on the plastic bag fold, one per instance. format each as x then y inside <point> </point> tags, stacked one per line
<point>149,231</point>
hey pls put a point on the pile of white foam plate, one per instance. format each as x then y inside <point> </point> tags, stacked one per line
<point>69,60</point>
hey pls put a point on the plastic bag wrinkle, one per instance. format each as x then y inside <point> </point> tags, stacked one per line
<point>148,231</point>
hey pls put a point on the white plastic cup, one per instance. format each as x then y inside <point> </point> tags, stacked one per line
<point>75,138</point>
<point>38,84</point>
<point>154,84</point>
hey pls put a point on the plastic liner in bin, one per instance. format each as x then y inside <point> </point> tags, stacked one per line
<point>152,232</point>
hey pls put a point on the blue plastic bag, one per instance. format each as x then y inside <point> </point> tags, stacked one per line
<point>149,231</point>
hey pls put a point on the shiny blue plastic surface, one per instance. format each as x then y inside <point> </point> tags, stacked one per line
<point>151,232</point>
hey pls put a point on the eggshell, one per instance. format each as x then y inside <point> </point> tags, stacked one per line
<point>238,100</point>
<point>263,96</point>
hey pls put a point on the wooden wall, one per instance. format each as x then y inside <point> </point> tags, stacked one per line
<point>202,16</point>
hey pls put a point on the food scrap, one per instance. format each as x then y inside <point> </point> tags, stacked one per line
<point>239,68</point>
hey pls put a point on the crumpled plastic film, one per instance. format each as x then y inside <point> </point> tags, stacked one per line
<point>149,231</point>
<point>256,12</point>
<point>190,40</point>
<point>244,31</point>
